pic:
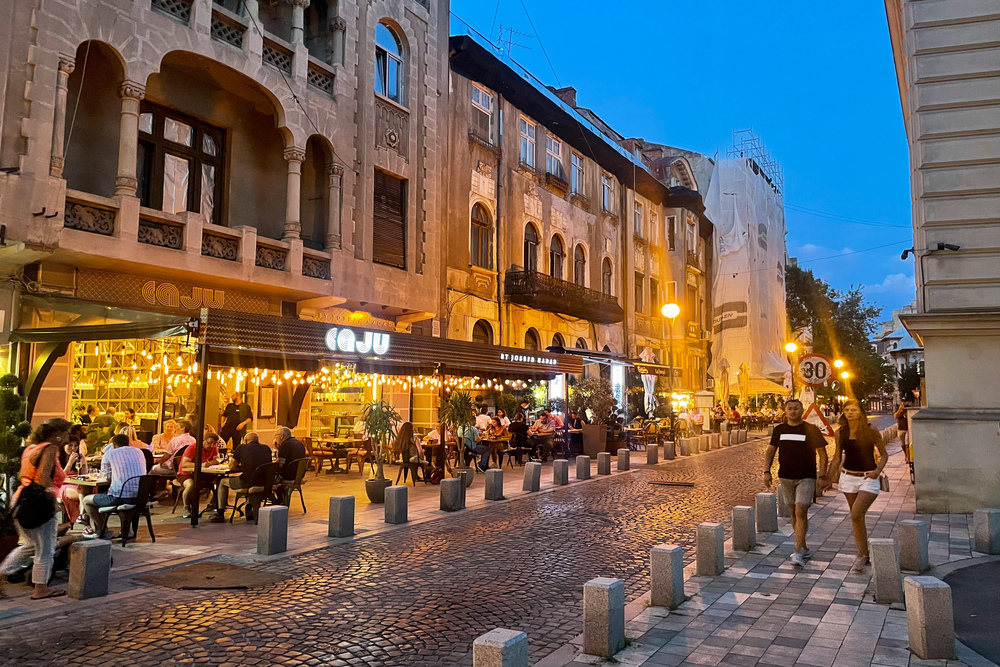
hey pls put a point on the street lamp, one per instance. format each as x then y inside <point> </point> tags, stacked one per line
<point>670,311</point>
<point>838,363</point>
<point>791,348</point>
<point>845,375</point>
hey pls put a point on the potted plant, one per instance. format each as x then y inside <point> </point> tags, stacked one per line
<point>13,430</point>
<point>457,412</point>
<point>593,397</point>
<point>380,420</point>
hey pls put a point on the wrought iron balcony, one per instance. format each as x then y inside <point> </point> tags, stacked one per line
<point>537,290</point>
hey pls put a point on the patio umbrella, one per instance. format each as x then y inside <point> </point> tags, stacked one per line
<point>649,382</point>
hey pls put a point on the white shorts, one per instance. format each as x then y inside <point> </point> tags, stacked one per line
<point>852,484</point>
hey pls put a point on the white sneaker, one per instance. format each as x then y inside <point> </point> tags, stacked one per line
<point>797,559</point>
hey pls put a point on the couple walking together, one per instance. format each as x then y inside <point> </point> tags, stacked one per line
<point>798,444</point>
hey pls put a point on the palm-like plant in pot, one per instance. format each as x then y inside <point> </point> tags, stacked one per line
<point>457,412</point>
<point>594,397</point>
<point>13,430</point>
<point>381,421</point>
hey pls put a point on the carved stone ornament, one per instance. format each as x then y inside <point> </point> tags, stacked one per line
<point>221,247</point>
<point>271,258</point>
<point>485,169</point>
<point>315,267</point>
<point>299,3</point>
<point>67,64</point>
<point>126,182</point>
<point>295,155</point>
<point>161,234</point>
<point>391,138</point>
<point>132,90</point>
<point>339,24</point>
<point>335,169</point>
<point>89,219</point>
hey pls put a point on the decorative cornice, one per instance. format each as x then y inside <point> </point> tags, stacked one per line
<point>295,155</point>
<point>339,24</point>
<point>335,169</point>
<point>299,3</point>
<point>132,90</point>
<point>67,64</point>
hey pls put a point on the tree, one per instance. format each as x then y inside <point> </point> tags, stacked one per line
<point>909,379</point>
<point>13,431</point>
<point>842,325</point>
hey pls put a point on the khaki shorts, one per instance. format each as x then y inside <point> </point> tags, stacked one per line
<point>798,491</point>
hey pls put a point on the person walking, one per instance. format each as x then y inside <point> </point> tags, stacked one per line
<point>902,425</point>
<point>854,456</point>
<point>35,507</point>
<point>797,444</point>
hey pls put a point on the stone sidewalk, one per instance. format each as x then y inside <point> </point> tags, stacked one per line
<point>764,612</point>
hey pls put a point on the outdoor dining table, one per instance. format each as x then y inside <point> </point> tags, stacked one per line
<point>337,446</point>
<point>89,484</point>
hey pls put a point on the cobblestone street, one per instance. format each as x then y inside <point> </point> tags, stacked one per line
<point>420,595</point>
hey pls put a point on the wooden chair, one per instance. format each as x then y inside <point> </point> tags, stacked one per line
<point>317,455</point>
<point>290,486</point>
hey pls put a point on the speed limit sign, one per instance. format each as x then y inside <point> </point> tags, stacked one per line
<point>814,370</point>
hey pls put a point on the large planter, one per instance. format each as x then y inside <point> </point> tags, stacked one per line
<point>595,438</point>
<point>375,488</point>
<point>469,474</point>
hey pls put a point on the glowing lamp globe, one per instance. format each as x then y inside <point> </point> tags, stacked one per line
<point>670,310</point>
<point>791,347</point>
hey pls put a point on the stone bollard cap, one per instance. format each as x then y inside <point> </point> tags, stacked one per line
<point>667,547</point>
<point>924,582</point>
<point>500,638</point>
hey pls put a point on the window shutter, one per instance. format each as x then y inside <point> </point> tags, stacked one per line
<point>481,124</point>
<point>389,221</point>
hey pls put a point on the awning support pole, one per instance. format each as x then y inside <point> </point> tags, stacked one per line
<point>199,436</point>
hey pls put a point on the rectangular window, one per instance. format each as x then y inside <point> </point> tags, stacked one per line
<point>553,156</point>
<point>639,280</point>
<point>638,219</point>
<point>577,174</point>
<point>692,237</point>
<point>654,296</point>
<point>389,220</point>
<point>482,113</point>
<point>654,228</point>
<point>671,292</point>
<point>671,230</point>
<point>527,143</point>
<point>607,194</point>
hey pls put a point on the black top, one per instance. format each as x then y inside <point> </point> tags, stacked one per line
<point>858,457</point>
<point>520,432</point>
<point>85,419</point>
<point>797,447</point>
<point>290,450</point>
<point>236,415</point>
<point>575,423</point>
<point>251,457</point>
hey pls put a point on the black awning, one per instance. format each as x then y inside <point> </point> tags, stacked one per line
<point>161,328</point>
<point>591,356</point>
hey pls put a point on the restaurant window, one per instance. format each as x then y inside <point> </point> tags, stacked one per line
<point>531,341</point>
<point>388,64</point>
<point>389,220</point>
<point>671,230</point>
<point>527,130</point>
<point>577,174</point>
<point>482,113</point>
<point>639,286</point>
<point>637,216</point>
<point>606,277</point>
<point>530,248</point>
<point>558,340</point>
<point>581,344</point>
<point>580,266</point>
<point>557,257</point>
<point>607,194</point>
<point>553,156</point>
<point>481,232</point>
<point>179,164</point>
<point>482,333</point>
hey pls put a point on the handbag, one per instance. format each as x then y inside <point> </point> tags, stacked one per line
<point>35,506</point>
<point>883,483</point>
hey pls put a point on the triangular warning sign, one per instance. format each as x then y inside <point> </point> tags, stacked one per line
<point>814,416</point>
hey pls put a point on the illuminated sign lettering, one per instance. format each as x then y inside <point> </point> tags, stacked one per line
<point>345,340</point>
<point>527,359</point>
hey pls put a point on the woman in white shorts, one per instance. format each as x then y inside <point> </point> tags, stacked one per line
<point>856,442</point>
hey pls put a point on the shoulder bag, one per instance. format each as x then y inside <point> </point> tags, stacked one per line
<point>35,505</point>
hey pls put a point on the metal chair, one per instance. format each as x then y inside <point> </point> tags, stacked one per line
<point>128,512</point>
<point>290,486</point>
<point>258,492</point>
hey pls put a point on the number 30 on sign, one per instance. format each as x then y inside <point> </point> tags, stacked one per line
<point>814,370</point>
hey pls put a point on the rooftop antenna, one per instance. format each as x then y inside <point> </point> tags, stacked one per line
<point>507,39</point>
<point>746,144</point>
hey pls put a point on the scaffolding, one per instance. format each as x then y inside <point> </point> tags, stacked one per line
<point>746,144</point>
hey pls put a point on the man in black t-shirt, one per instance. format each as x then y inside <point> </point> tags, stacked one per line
<point>235,420</point>
<point>797,443</point>
<point>246,459</point>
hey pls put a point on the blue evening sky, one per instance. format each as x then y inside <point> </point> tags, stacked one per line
<point>815,81</point>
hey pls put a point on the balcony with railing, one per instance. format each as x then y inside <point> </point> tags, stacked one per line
<point>543,292</point>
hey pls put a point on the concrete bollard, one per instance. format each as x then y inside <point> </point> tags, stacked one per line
<point>272,530</point>
<point>666,576</point>
<point>714,441</point>
<point>494,485</point>
<point>724,438</point>
<point>451,494</point>
<point>703,441</point>
<point>624,459</point>
<point>930,621</point>
<point>604,463</point>
<point>770,430</point>
<point>914,538</point>
<point>885,570</point>
<point>603,616</point>
<point>766,505</point>
<point>560,472</point>
<point>532,476</point>
<point>341,520</point>
<point>744,435</point>
<point>89,569</point>
<point>500,648</point>
<point>986,528</point>
<point>583,467</point>
<point>652,454</point>
<point>744,528</point>
<point>669,450</point>
<point>784,510</point>
<point>396,505</point>
<point>685,447</point>
<point>711,551</point>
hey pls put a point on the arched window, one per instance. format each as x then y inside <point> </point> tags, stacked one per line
<point>558,341</point>
<point>580,266</point>
<point>482,333</point>
<point>557,257</point>
<point>388,64</point>
<point>581,344</point>
<point>530,247</point>
<point>481,231</point>
<point>606,276</point>
<point>531,340</point>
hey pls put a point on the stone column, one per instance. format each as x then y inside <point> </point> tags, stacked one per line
<point>66,66</point>
<point>128,140</point>
<point>339,27</point>
<point>298,20</point>
<point>335,177</point>
<point>293,223</point>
